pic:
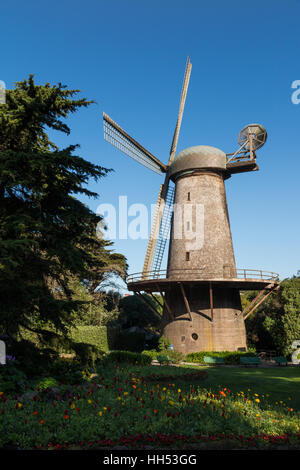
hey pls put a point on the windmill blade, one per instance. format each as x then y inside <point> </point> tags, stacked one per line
<point>116,136</point>
<point>159,231</point>
<point>185,85</point>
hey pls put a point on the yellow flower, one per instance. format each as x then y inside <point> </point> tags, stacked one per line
<point>171,402</point>
<point>100,413</point>
<point>257,400</point>
<point>179,391</point>
<point>125,393</point>
<point>72,406</point>
<point>19,405</point>
<point>119,398</point>
<point>89,401</point>
<point>104,407</point>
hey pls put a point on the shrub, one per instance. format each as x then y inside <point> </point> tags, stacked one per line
<point>87,354</point>
<point>129,357</point>
<point>103,337</point>
<point>47,382</point>
<point>230,357</point>
<point>164,344</point>
<point>12,379</point>
<point>175,356</point>
<point>93,335</point>
<point>151,353</point>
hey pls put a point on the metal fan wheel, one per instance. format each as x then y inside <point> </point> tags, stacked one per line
<point>258,132</point>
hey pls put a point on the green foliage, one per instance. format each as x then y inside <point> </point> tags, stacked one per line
<point>284,325</point>
<point>47,236</point>
<point>12,378</point>
<point>103,337</point>
<point>135,312</point>
<point>276,323</point>
<point>164,344</point>
<point>230,357</point>
<point>131,340</point>
<point>163,359</point>
<point>45,383</point>
<point>151,353</point>
<point>93,335</point>
<point>129,357</point>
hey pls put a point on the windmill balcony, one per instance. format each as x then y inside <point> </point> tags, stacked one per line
<point>244,279</point>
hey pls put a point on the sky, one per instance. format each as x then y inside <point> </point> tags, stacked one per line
<point>129,57</point>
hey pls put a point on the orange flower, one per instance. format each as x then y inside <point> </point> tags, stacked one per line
<point>155,411</point>
<point>66,416</point>
<point>42,421</point>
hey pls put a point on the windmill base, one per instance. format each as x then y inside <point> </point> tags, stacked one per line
<point>210,324</point>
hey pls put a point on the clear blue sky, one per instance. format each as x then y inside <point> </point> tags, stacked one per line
<point>129,56</point>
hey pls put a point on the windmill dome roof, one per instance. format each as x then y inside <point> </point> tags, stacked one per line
<point>198,157</point>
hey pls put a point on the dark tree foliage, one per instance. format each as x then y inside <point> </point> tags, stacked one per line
<point>276,323</point>
<point>135,312</point>
<point>47,236</point>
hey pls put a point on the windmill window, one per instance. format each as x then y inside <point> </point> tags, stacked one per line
<point>195,336</point>
<point>188,196</point>
<point>187,256</point>
<point>188,225</point>
<point>182,339</point>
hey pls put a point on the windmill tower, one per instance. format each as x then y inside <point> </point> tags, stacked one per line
<point>201,286</point>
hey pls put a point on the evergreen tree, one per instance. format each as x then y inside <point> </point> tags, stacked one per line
<point>47,236</point>
<point>276,323</point>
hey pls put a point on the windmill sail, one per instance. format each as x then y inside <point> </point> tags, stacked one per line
<point>163,213</point>
<point>116,136</point>
<point>181,108</point>
<point>164,231</point>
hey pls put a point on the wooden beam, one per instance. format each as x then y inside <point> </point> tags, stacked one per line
<point>186,301</point>
<point>261,297</point>
<point>211,302</point>
<point>165,303</point>
<point>156,300</point>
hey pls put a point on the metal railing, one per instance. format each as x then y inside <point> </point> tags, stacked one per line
<point>198,274</point>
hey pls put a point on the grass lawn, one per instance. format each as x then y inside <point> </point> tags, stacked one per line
<point>280,383</point>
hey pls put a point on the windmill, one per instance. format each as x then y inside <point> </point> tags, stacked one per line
<point>201,286</point>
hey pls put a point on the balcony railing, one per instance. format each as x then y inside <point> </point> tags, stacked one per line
<point>194,274</point>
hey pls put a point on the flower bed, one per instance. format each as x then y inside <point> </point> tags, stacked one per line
<point>122,406</point>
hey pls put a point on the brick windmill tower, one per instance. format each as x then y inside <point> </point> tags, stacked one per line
<point>200,289</point>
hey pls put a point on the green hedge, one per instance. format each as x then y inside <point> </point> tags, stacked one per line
<point>102,337</point>
<point>230,357</point>
<point>95,335</point>
<point>129,357</point>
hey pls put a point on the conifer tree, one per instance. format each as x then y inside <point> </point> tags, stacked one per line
<point>47,235</point>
